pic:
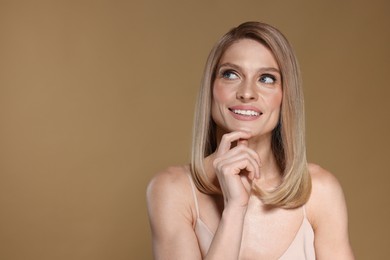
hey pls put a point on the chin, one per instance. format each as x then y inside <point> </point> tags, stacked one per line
<point>250,130</point>
<point>246,129</point>
<point>254,132</point>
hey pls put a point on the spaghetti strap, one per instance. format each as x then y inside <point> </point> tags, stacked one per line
<point>194,194</point>
<point>203,233</point>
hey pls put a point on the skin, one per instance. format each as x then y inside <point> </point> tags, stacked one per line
<point>248,78</point>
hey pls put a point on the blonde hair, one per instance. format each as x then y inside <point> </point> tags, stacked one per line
<point>288,138</point>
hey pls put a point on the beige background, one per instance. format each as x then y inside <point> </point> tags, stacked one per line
<point>97,96</point>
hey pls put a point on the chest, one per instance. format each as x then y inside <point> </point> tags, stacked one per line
<point>267,233</point>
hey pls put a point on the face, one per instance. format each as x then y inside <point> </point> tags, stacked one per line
<point>247,91</point>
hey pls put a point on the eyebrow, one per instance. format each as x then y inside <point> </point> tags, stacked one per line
<point>228,64</point>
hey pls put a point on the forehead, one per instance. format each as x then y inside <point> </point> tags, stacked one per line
<point>249,52</point>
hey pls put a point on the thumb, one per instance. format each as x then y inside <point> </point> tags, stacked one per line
<point>243,142</point>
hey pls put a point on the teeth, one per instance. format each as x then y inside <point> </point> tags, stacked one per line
<point>246,112</point>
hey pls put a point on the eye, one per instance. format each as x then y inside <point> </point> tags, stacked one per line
<point>229,74</point>
<point>267,79</point>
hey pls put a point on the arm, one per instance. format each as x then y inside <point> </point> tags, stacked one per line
<point>227,240</point>
<point>171,221</point>
<point>170,217</point>
<point>235,168</point>
<point>329,216</point>
<point>169,206</point>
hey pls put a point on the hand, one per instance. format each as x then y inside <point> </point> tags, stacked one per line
<point>236,168</point>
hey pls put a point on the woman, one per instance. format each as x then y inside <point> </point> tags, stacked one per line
<point>249,192</point>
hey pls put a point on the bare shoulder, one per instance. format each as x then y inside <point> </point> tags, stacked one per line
<point>322,179</point>
<point>170,182</point>
<point>171,215</point>
<point>327,213</point>
<point>327,194</point>
<point>170,191</point>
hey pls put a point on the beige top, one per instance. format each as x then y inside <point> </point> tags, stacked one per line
<point>301,248</point>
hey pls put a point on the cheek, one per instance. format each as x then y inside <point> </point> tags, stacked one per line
<point>220,93</point>
<point>275,100</point>
<point>278,100</point>
<point>219,100</point>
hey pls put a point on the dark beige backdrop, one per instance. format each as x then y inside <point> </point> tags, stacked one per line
<point>97,96</point>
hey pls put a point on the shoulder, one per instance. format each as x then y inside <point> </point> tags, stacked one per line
<point>326,196</point>
<point>169,182</point>
<point>172,180</point>
<point>323,181</point>
<point>170,203</point>
<point>171,214</point>
<point>327,213</point>
<point>170,189</point>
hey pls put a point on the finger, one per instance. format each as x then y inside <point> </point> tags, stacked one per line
<point>248,168</point>
<point>234,165</point>
<point>234,175</point>
<point>228,139</point>
<point>242,149</point>
<point>252,167</point>
<point>227,159</point>
<point>247,182</point>
<point>242,142</point>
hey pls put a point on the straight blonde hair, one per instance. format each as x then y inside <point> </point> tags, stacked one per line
<point>288,138</point>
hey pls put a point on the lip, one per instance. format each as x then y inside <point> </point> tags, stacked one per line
<point>245,117</point>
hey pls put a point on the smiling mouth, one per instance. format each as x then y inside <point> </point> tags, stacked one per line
<point>245,112</point>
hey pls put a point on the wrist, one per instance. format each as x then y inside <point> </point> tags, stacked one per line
<point>233,211</point>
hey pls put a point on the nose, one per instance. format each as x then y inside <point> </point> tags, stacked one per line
<point>246,92</point>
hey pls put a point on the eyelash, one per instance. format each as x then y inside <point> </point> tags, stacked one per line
<point>226,74</point>
<point>264,76</point>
